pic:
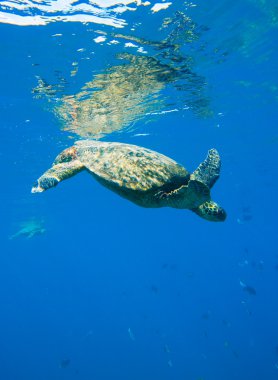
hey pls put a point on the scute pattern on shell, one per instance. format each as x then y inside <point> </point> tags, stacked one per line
<point>129,166</point>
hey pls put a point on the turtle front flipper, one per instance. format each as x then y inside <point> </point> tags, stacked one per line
<point>211,211</point>
<point>208,171</point>
<point>56,174</point>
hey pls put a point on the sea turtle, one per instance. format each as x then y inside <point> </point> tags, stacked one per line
<point>140,175</point>
<point>29,229</point>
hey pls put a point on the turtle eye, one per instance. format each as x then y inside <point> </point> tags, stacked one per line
<point>66,158</point>
<point>62,157</point>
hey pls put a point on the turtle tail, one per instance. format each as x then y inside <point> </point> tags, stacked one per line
<point>208,171</point>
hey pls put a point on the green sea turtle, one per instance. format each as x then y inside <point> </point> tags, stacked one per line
<point>140,175</point>
<point>29,229</point>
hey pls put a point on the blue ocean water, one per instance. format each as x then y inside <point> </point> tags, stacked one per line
<point>93,286</point>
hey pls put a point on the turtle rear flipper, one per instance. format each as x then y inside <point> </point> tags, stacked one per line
<point>211,211</point>
<point>56,174</point>
<point>208,171</point>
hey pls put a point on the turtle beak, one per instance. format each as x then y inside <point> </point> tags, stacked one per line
<point>36,188</point>
<point>44,183</point>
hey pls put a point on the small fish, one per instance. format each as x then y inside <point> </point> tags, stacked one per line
<point>131,335</point>
<point>206,315</point>
<point>64,363</point>
<point>236,355</point>
<point>154,289</point>
<point>166,349</point>
<point>248,289</point>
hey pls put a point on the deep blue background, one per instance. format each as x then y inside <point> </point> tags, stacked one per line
<point>105,267</point>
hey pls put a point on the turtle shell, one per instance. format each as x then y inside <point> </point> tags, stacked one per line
<point>130,167</point>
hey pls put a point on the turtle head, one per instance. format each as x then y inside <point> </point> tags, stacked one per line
<point>57,173</point>
<point>65,166</point>
<point>44,183</point>
<point>211,211</point>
